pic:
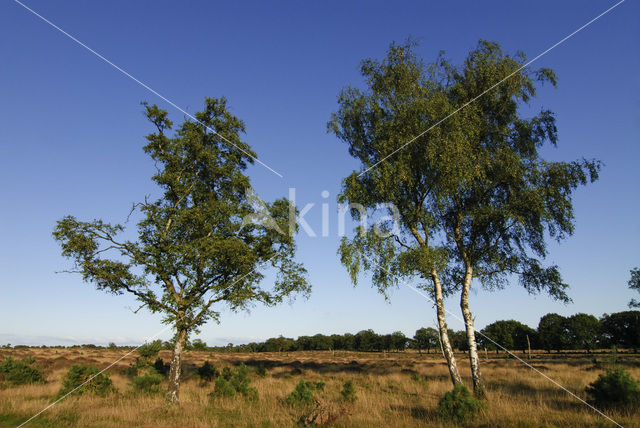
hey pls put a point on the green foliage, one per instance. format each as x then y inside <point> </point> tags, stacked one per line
<point>223,388</point>
<point>148,383</point>
<point>552,331</point>
<point>208,371</point>
<point>615,389</point>
<point>302,395</point>
<point>634,284</point>
<point>348,391</point>
<point>238,382</point>
<point>198,345</point>
<point>20,372</point>
<point>192,240</point>
<point>193,251</point>
<point>510,333</point>
<point>261,370</point>
<point>622,329</point>
<point>160,367</point>
<point>458,405</point>
<point>100,384</point>
<point>227,373</point>
<point>421,379</point>
<point>150,350</point>
<point>473,192</point>
<point>426,338</point>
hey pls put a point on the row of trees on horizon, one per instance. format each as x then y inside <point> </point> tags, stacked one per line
<point>554,333</point>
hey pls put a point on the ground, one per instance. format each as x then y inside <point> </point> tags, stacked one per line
<point>393,390</point>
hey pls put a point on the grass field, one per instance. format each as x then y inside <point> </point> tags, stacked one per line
<point>394,389</point>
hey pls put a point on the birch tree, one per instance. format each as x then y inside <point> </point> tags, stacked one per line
<point>194,254</point>
<point>401,100</point>
<point>450,147</point>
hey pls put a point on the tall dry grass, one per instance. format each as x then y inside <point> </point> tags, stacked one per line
<point>394,390</point>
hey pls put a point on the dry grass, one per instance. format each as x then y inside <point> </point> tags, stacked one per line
<point>387,390</point>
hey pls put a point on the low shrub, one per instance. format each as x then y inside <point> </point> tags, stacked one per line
<point>458,405</point>
<point>162,368</point>
<point>150,350</point>
<point>615,389</point>
<point>261,370</point>
<point>149,382</point>
<point>237,382</point>
<point>421,379</point>
<point>302,395</point>
<point>348,391</point>
<point>77,375</point>
<point>208,371</point>
<point>21,372</point>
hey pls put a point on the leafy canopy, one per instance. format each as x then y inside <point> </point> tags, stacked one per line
<point>192,249</point>
<point>473,190</point>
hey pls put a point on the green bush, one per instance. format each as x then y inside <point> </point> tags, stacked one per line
<point>227,373</point>
<point>148,383</point>
<point>150,350</point>
<point>237,382</point>
<point>160,367</point>
<point>318,386</point>
<point>78,374</point>
<point>208,371</point>
<point>301,395</point>
<point>458,405</point>
<point>261,370</point>
<point>20,372</point>
<point>348,391</point>
<point>614,389</point>
<point>421,379</point>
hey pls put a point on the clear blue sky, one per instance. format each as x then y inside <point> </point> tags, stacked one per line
<point>72,130</point>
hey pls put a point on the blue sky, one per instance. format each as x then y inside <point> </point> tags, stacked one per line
<point>72,130</point>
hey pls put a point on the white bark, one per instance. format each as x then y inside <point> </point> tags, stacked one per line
<point>173,392</point>
<point>447,350</point>
<point>474,360</point>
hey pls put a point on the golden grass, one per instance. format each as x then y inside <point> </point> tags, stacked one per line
<point>388,395</point>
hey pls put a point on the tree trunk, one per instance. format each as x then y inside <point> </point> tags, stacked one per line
<point>175,371</point>
<point>474,360</point>
<point>444,336</point>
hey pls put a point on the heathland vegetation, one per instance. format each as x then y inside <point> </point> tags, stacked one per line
<point>453,153</point>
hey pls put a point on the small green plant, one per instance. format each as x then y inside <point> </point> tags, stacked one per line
<point>318,386</point>
<point>208,371</point>
<point>302,395</point>
<point>238,382</point>
<point>100,384</point>
<point>160,367</point>
<point>150,350</point>
<point>458,405</point>
<point>227,373</point>
<point>261,370</point>
<point>421,379</point>
<point>348,391</point>
<point>148,383</point>
<point>615,389</point>
<point>222,388</point>
<point>21,372</point>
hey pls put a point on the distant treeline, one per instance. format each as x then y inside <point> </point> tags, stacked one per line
<point>554,332</point>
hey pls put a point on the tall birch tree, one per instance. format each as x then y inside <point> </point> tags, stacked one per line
<point>195,251</point>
